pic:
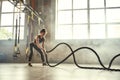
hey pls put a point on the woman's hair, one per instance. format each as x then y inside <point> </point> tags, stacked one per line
<point>43,30</point>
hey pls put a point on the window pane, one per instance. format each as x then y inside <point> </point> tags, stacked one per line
<point>97,16</point>
<point>6,19</point>
<point>113,31</point>
<point>7,6</point>
<point>80,16</point>
<point>5,33</point>
<point>22,20</point>
<point>64,4</point>
<point>80,32</point>
<point>97,31</point>
<point>113,3</point>
<point>64,17</point>
<point>64,32</point>
<point>78,4</point>
<point>113,15</point>
<point>96,3</point>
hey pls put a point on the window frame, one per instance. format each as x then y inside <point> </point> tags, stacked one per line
<point>1,26</point>
<point>105,8</point>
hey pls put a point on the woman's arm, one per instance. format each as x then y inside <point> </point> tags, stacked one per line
<point>43,43</point>
<point>37,42</point>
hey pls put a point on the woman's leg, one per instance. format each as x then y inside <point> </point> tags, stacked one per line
<point>32,45</point>
<point>41,53</point>
<point>31,54</point>
<point>31,51</point>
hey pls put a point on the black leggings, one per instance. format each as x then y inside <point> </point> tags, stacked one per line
<point>33,45</point>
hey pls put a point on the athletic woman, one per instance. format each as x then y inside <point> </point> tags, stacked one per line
<point>38,44</point>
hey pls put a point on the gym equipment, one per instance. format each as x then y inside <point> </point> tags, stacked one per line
<point>23,7</point>
<point>26,7</point>
<point>27,41</point>
<point>16,50</point>
<point>75,62</point>
<point>17,34</point>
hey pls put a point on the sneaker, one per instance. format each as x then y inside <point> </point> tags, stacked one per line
<point>44,64</point>
<point>29,64</point>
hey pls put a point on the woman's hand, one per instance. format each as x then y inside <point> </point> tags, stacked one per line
<point>38,45</point>
<point>44,50</point>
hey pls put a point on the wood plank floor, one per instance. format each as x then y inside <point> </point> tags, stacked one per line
<point>62,72</point>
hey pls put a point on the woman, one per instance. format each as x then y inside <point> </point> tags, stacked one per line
<point>38,44</point>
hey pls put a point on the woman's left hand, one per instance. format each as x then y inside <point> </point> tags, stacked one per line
<point>44,50</point>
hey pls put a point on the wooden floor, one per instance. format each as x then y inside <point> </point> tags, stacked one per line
<point>62,72</point>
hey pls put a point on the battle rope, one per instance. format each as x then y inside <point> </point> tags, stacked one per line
<point>74,58</point>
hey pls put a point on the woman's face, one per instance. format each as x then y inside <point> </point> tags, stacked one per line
<point>42,34</point>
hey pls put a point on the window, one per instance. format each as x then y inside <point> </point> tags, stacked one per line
<point>114,31</point>
<point>66,15</point>
<point>80,16</point>
<point>113,3</point>
<point>80,32</point>
<point>62,4</point>
<point>87,19</point>
<point>7,7</point>
<point>8,21</point>
<point>113,15</point>
<point>79,4</point>
<point>97,16</point>
<point>96,3</point>
<point>97,31</point>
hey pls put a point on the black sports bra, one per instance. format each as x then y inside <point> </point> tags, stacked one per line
<point>40,39</point>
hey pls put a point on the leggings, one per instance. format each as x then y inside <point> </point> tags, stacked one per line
<point>32,45</point>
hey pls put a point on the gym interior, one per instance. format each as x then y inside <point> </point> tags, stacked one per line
<point>81,40</point>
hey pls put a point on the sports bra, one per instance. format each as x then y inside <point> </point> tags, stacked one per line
<point>40,39</point>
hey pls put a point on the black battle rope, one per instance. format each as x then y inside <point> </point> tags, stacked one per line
<point>74,58</point>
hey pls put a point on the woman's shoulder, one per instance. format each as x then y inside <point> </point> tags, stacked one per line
<point>37,36</point>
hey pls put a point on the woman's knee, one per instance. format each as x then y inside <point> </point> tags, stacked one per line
<point>40,51</point>
<point>31,44</point>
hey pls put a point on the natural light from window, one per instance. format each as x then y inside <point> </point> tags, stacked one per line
<point>78,19</point>
<point>8,21</point>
